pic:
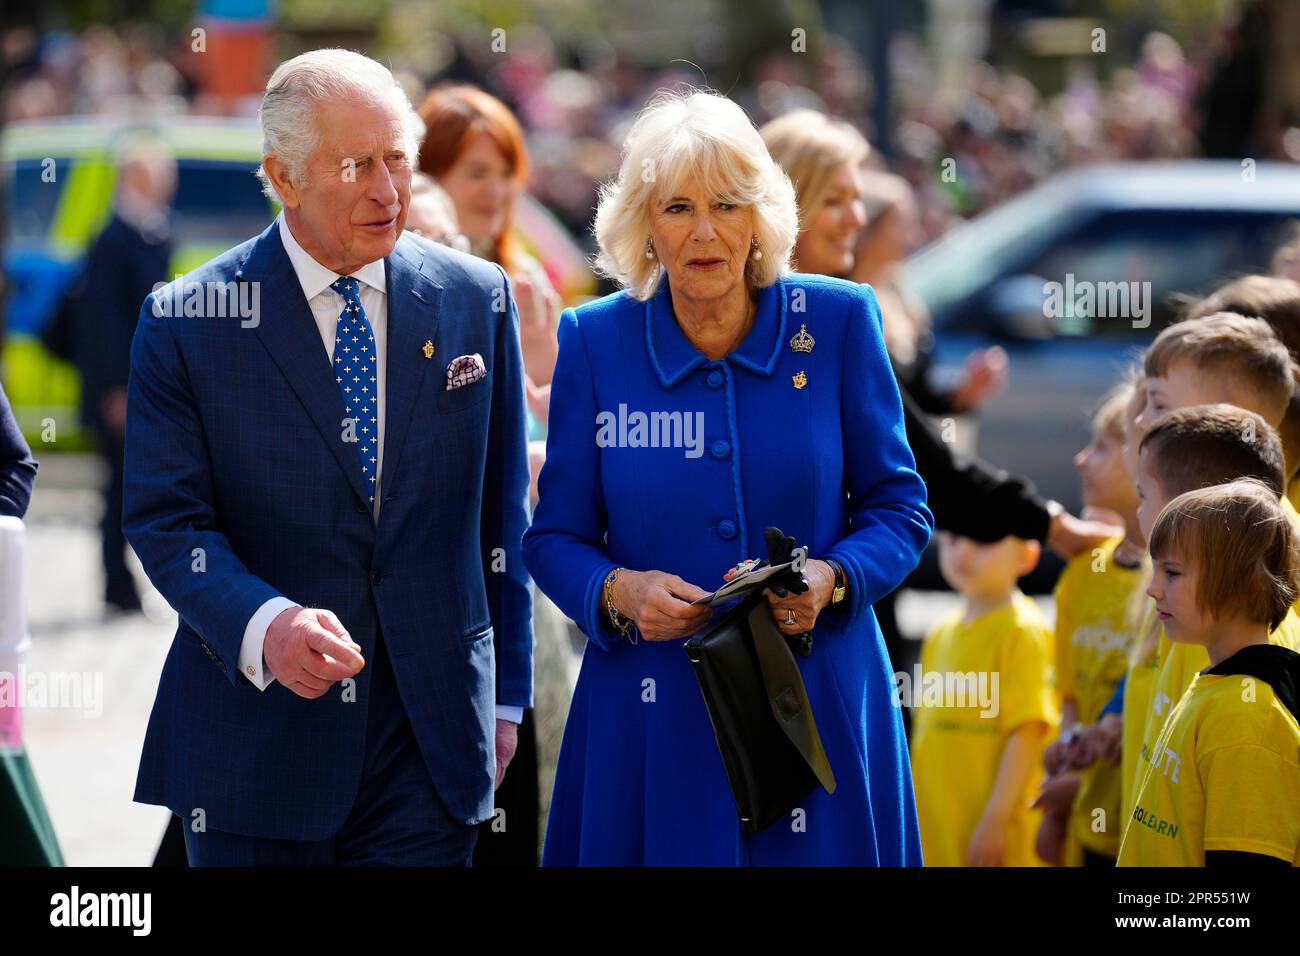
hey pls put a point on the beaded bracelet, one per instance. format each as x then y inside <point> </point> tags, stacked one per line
<point>624,625</point>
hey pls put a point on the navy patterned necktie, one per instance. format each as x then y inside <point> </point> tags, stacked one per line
<point>354,372</point>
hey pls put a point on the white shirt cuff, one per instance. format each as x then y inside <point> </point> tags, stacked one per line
<point>250,651</point>
<point>511,713</point>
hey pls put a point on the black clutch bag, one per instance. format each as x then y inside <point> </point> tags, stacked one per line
<point>758,705</point>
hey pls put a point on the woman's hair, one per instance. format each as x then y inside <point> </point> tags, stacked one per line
<point>454,115</point>
<point>677,136</point>
<point>811,147</point>
<point>288,110</point>
<point>1244,547</point>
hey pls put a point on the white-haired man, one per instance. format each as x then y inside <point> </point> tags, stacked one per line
<point>331,491</point>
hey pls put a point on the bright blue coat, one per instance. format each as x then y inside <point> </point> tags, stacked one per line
<point>640,781</point>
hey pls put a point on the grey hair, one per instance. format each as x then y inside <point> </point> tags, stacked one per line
<point>288,110</point>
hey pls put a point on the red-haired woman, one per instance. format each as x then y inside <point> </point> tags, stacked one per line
<point>474,148</point>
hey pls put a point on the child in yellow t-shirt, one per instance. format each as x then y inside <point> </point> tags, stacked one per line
<point>983,709</point>
<point>1094,600</point>
<point>1222,785</point>
<point>1187,449</point>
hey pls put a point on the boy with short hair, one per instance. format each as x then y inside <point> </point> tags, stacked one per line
<point>975,766</point>
<point>1185,450</point>
<point>1223,783</point>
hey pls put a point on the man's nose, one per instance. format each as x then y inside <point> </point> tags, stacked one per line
<point>382,188</point>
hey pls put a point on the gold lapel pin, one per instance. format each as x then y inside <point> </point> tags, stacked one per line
<point>800,380</point>
<point>803,342</point>
<point>428,349</point>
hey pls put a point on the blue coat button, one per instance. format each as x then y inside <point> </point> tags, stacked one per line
<point>715,379</point>
<point>721,448</point>
<point>727,528</point>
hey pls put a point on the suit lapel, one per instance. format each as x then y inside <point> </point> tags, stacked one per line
<point>288,331</point>
<point>413,300</point>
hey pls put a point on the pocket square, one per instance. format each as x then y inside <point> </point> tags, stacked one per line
<point>465,370</point>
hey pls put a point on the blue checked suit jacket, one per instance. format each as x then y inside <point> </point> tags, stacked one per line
<point>240,488</point>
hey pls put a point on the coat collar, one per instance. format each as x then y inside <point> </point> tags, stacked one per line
<point>674,357</point>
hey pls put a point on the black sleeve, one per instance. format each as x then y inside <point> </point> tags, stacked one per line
<point>968,496</point>
<point>1239,858</point>
<point>17,466</point>
<point>917,378</point>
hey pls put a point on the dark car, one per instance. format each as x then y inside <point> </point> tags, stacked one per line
<point>1074,277</point>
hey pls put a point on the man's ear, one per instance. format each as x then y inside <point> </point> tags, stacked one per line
<point>278,173</point>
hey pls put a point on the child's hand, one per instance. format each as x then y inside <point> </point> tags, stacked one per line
<point>1049,844</point>
<point>1110,736</point>
<point>1083,749</point>
<point>1055,756</point>
<point>988,843</point>
<point>1057,793</point>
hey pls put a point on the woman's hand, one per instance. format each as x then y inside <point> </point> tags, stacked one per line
<point>660,605</point>
<point>985,372</point>
<point>539,399</point>
<point>539,321</point>
<point>806,606</point>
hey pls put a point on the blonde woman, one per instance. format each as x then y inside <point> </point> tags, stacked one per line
<point>789,416</point>
<point>823,158</point>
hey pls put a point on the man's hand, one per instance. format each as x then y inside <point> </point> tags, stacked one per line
<point>507,741</point>
<point>112,409</point>
<point>307,649</point>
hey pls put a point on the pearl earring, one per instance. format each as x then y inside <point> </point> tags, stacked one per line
<point>758,253</point>
<point>649,249</point>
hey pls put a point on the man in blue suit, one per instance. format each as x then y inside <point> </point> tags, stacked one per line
<point>326,476</point>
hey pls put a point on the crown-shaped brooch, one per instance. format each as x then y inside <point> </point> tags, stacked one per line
<point>803,342</point>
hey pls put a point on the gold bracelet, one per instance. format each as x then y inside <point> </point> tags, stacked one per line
<point>620,623</point>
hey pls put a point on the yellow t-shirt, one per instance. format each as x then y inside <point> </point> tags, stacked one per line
<point>1227,778</point>
<point>980,682</point>
<point>1178,665</point>
<point>1293,493</point>
<point>1137,701</point>
<point>1094,635</point>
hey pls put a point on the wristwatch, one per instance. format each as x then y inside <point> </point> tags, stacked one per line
<point>841,588</point>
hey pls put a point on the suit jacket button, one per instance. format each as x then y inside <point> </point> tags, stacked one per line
<point>727,529</point>
<point>376,577</point>
<point>360,506</point>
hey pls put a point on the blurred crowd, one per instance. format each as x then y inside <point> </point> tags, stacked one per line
<point>963,150</point>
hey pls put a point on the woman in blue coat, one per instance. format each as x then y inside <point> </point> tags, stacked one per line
<point>716,395</point>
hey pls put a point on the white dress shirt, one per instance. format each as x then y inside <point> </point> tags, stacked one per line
<point>326,305</point>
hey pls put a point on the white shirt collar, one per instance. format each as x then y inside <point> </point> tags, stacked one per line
<point>314,277</point>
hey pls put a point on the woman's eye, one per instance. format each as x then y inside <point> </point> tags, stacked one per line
<point>675,207</point>
<point>726,206</point>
